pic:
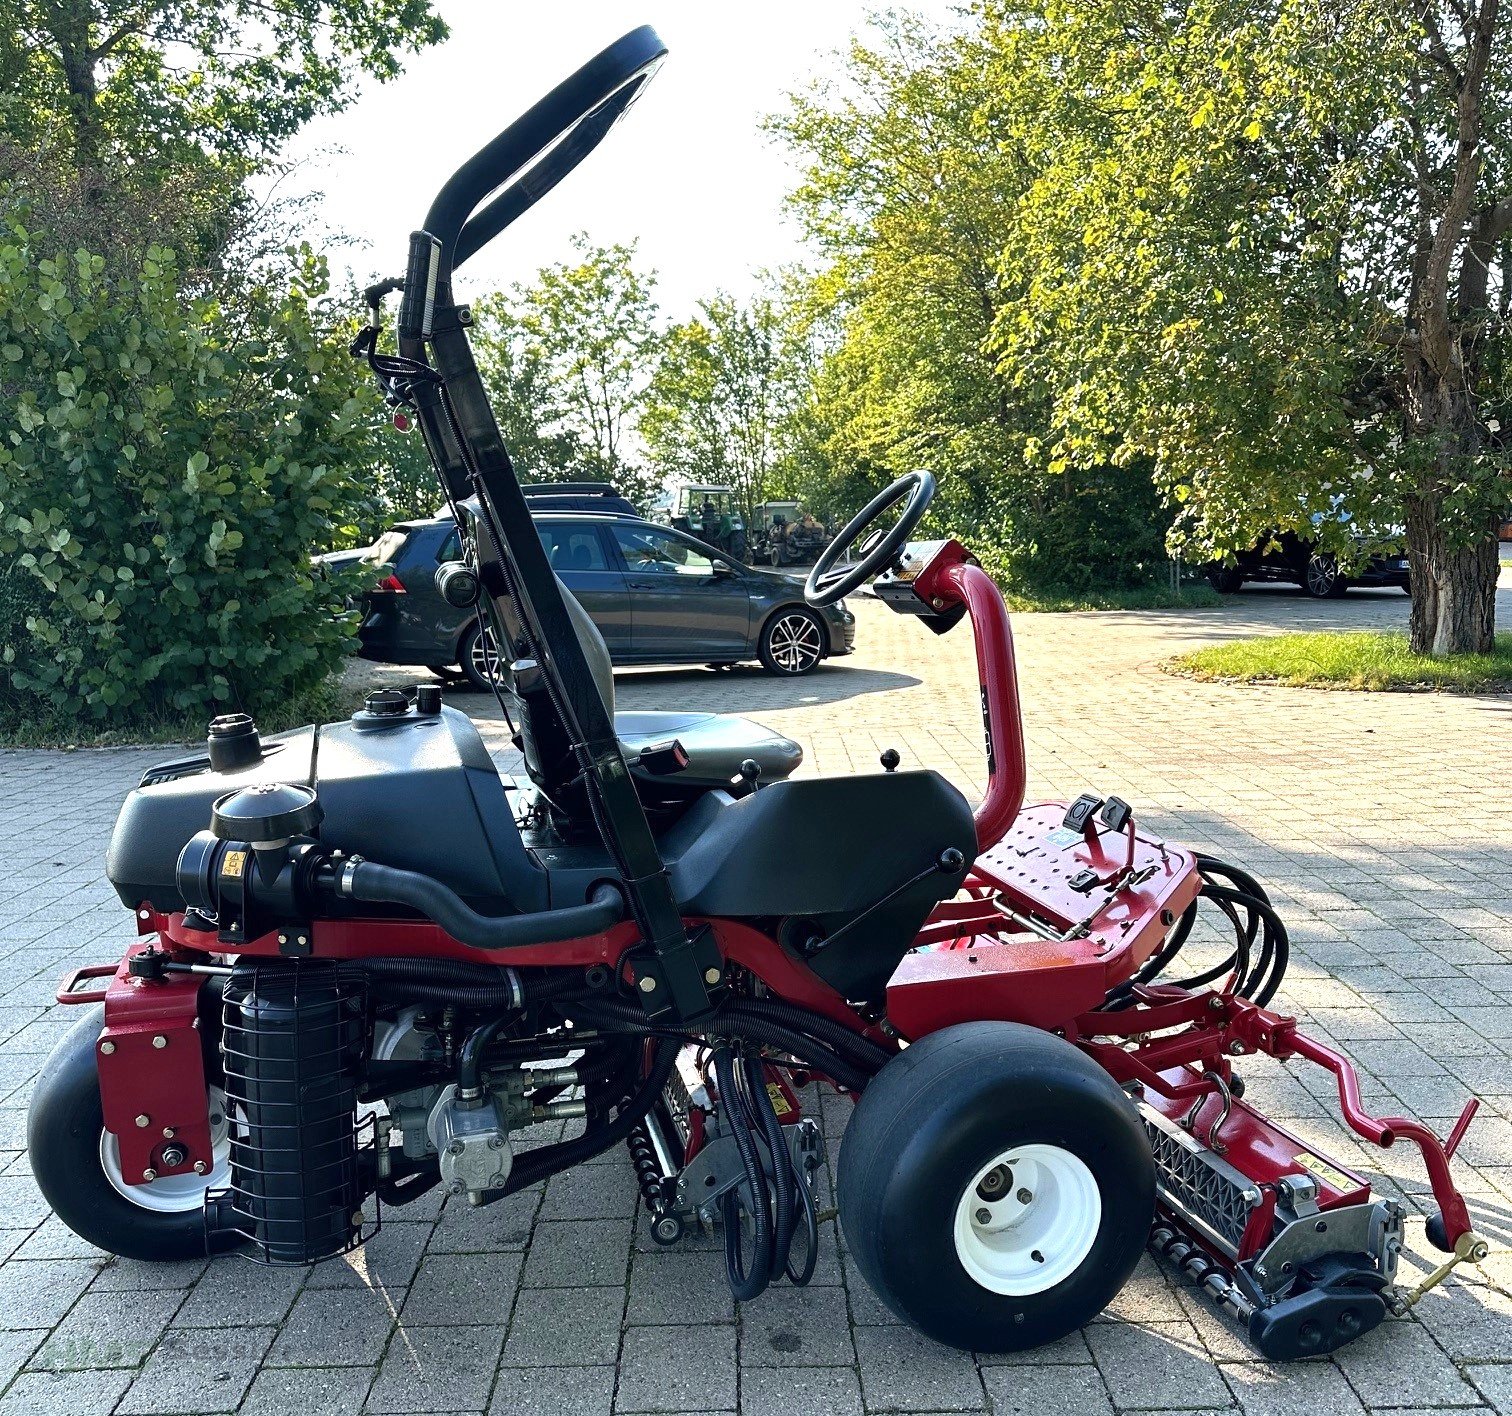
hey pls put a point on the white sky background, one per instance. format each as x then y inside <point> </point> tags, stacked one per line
<point>688,172</point>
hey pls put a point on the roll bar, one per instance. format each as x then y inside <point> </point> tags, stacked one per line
<point>531,155</point>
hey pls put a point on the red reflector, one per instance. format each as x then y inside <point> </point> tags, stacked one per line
<point>401,422</point>
<point>392,584</point>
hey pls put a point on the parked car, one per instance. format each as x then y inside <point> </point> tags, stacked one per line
<point>1291,558</point>
<point>577,496</point>
<point>657,595</point>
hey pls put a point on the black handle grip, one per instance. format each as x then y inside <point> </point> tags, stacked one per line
<point>418,308</point>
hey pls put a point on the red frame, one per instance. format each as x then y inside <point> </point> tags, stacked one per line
<point>984,955</point>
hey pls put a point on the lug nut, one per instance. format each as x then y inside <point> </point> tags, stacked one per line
<point>984,1216</point>
<point>200,1167</point>
<point>169,1133</point>
<point>149,1175</point>
<point>1024,1196</point>
<point>174,1156</point>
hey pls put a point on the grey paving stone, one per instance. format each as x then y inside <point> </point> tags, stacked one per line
<point>234,1291</point>
<point>564,1327</point>
<point>1161,1367</point>
<point>672,1286</point>
<point>1399,1364</point>
<point>800,1391</point>
<point>1493,1382</point>
<point>657,1375</point>
<point>108,1330</point>
<point>134,1276</point>
<point>1035,1390</point>
<point>198,1371</point>
<point>1296,1389</point>
<point>64,1393</point>
<point>386,1262</point>
<point>437,1369</point>
<point>309,1391</point>
<point>552,1391</point>
<point>494,1228</point>
<point>796,1327</point>
<point>36,1295</point>
<point>21,1203</point>
<point>335,1327</point>
<point>591,1192</point>
<point>901,1371</point>
<point>577,1253</point>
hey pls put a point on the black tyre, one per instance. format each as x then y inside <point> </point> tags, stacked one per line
<point>1225,579</point>
<point>995,1186</point>
<point>443,671</point>
<point>480,659</point>
<point>77,1163</point>
<point>792,642</point>
<point>1320,578</point>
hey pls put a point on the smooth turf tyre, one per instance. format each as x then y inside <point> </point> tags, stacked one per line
<point>943,1148</point>
<point>71,1157</point>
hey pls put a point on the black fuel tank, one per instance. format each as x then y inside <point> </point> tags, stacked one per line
<point>420,793</point>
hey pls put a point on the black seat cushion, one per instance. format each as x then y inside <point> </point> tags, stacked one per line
<point>716,744</point>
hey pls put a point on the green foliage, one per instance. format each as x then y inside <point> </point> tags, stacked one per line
<point>719,397</point>
<point>567,358</point>
<point>1350,660</point>
<point>166,467</point>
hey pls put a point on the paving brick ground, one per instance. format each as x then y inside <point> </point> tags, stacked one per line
<point>1383,825</point>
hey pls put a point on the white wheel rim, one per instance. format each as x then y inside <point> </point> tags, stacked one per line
<point>1027,1220</point>
<point>175,1194</point>
<point>795,643</point>
<point>1320,574</point>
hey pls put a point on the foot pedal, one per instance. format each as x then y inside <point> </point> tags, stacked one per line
<point>1117,814</point>
<point>1081,811</point>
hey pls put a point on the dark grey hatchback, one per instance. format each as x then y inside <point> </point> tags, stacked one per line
<point>658,596</point>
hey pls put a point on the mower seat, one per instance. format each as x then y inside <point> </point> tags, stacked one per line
<point>715,743</point>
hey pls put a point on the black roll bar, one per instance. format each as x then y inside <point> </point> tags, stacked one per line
<point>675,975</point>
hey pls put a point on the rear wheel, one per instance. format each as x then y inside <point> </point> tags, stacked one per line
<point>77,1162</point>
<point>792,642</point>
<point>1012,1170</point>
<point>480,659</point>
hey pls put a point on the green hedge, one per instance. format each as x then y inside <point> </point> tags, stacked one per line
<point>166,465</point>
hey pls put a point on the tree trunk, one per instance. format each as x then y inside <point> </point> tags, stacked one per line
<point>1452,559</point>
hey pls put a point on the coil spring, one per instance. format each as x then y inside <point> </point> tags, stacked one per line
<point>1211,1277</point>
<point>648,1171</point>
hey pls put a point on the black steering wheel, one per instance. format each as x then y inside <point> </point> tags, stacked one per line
<point>825,584</point>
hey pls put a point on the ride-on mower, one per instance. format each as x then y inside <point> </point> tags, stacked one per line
<point>367,966</point>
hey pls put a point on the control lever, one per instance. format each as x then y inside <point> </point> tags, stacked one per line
<point>889,759</point>
<point>750,773</point>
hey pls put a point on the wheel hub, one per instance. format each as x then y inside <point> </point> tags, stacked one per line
<point>1027,1220</point>
<point>175,1194</point>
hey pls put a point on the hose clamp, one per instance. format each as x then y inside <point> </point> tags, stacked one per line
<point>344,881</point>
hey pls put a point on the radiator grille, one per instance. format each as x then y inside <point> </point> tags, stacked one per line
<point>1199,1185</point>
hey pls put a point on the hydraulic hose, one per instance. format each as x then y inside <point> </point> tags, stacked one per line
<point>452,983</point>
<point>747,1281</point>
<point>384,884</point>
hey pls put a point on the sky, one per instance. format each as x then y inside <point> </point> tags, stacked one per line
<point>688,173</point>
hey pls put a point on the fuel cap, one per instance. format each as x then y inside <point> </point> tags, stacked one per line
<point>270,811</point>
<point>386,702</point>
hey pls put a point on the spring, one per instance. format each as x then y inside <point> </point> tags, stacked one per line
<point>1175,1247</point>
<point>648,1171</point>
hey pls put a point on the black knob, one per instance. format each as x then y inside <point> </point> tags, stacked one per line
<point>386,702</point>
<point>428,699</point>
<point>750,771</point>
<point>890,759</point>
<point>950,861</point>
<point>233,742</point>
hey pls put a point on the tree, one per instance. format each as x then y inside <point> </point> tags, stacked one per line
<point>1259,251</point>
<point>717,402</point>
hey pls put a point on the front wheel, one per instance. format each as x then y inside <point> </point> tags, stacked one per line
<point>1321,579</point>
<point>1010,1169</point>
<point>792,642</point>
<point>77,1162</point>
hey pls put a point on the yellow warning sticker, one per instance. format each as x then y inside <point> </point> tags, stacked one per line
<point>1330,1174</point>
<point>780,1103</point>
<point>234,865</point>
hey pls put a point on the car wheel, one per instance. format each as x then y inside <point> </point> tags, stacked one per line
<point>480,659</point>
<point>1225,579</point>
<point>792,642</point>
<point>1320,577</point>
<point>443,671</point>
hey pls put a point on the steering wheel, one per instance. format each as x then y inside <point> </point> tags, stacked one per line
<point>825,584</point>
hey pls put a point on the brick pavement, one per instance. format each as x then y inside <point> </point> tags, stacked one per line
<point>1381,824</point>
